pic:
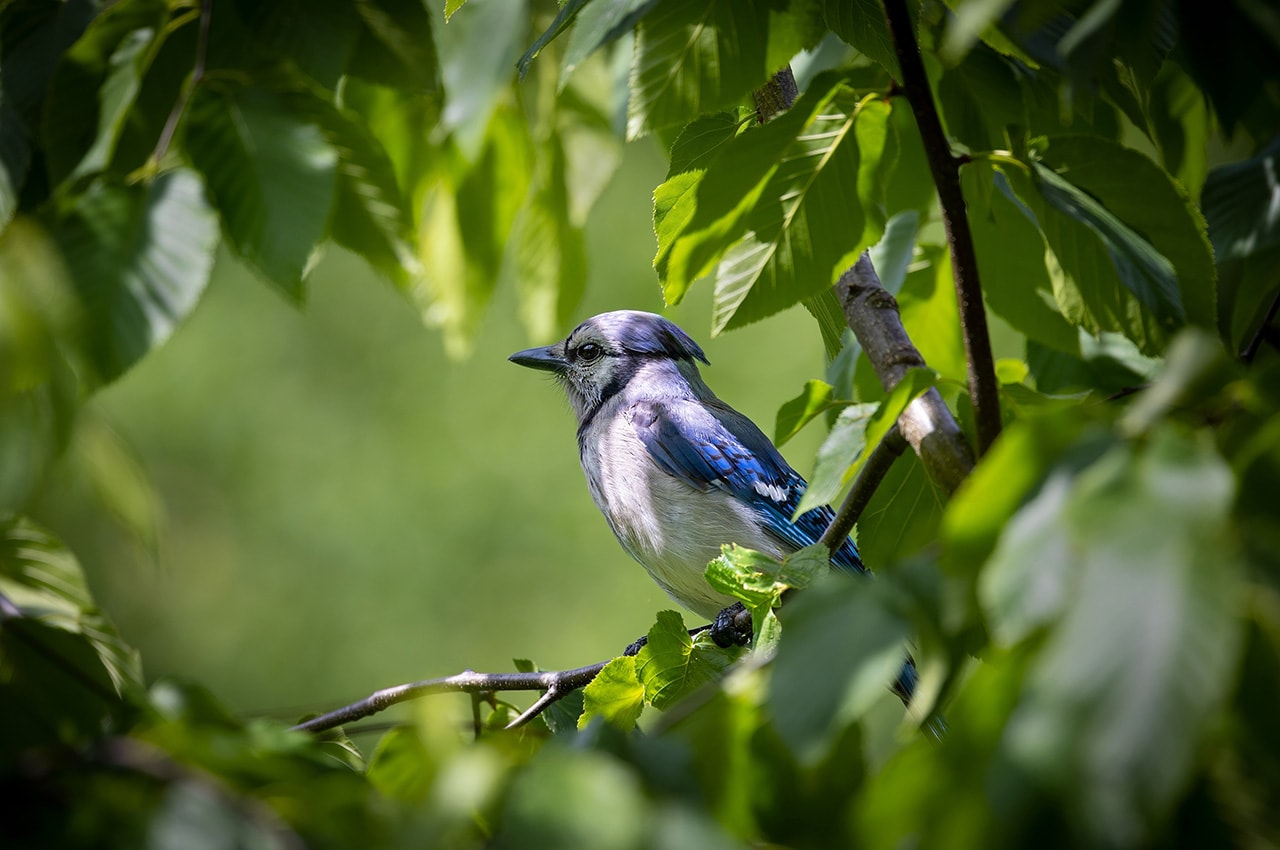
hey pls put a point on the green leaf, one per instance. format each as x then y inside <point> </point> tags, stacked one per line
<point>401,766</point>
<point>125,69</point>
<point>1011,259</point>
<point>564,18</point>
<point>270,175</point>
<point>861,24</point>
<point>903,515</point>
<point>63,666</point>
<point>470,213</point>
<point>1242,205</point>
<point>1142,196</point>
<point>759,581</point>
<point>844,443</point>
<point>1014,467</point>
<point>599,24</point>
<point>140,257</point>
<point>1178,119</point>
<point>451,7</point>
<point>551,258</point>
<point>15,158</point>
<point>762,206</point>
<point>693,58</point>
<point>813,401</point>
<point>844,645</point>
<point>793,246</point>
<point>672,664</point>
<point>891,256</point>
<point>615,694</point>
<point>829,478</point>
<point>1148,640</point>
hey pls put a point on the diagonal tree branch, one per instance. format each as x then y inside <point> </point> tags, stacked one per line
<point>945,167</point>
<point>927,423</point>
<point>555,685</point>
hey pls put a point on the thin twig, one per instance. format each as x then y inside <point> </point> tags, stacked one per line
<point>964,259</point>
<point>864,487</point>
<point>188,89</point>
<point>562,681</point>
<point>927,424</point>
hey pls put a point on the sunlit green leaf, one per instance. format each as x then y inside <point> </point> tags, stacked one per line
<point>795,414</point>
<point>270,175</point>
<point>850,448</point>
<point>693,58</point>
<point>400,767</point>
<point>44,580</point>
<point>564,19</point>
<point>672,664</point>
<point>140,257</point>
<point>615,694</point>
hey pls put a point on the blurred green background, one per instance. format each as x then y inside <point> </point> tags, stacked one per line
<point>343,508</point>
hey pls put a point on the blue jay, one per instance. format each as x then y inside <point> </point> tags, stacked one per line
<point>675,470</point>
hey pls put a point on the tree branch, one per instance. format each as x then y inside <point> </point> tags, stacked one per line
<point>927,424</point>
<point>964,260</point>
<point>864,487</point>
<point>555,685</point>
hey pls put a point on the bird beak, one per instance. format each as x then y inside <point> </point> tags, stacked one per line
<point>539,358</point>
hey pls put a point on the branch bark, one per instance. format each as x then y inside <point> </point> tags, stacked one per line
<point>554,685</point>
<point>927,423</point>
<point>945,168</point>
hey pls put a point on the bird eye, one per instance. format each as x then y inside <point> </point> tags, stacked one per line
<point>589,351</point>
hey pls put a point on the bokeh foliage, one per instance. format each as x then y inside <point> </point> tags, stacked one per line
<point>1096,611</point>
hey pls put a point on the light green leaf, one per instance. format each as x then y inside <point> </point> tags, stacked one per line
<point>140,257</point>
<point>839,450</point>
<point>551,256</point>
<point>401,765</point>
<point>815,399</point>
<point>451,7</point>
<point>563,20</point>
<point>972,19</point>
<point>861,23</point>
<point>1147,643</point>
<point>843,646</point>
<point>615,694</point>
<point>693,58</point>
<point>1179,121</point>
<point>891,256</point>
<point>601,23</point>
<point>672,664</point>
<point>125,69</point>
<point>270,175</point>
<point>478,51</point>
<point>42,578</point>
<point>829,478</point>
<point>794,246</point>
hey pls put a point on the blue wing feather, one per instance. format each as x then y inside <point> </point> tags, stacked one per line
<point>709,444</point>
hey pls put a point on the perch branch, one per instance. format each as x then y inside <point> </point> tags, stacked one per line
<point>864,487</point>
<point>554,685</point>
<point>945,167</point>
<point>927,424</point>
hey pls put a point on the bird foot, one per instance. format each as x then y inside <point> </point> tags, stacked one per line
<point>732,627</point>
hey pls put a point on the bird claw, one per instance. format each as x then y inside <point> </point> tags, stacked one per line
<point>732,627</point>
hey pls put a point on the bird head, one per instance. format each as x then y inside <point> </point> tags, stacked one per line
<point>601,355</point>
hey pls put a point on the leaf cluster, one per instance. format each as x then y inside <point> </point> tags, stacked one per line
<point>1096,610</point>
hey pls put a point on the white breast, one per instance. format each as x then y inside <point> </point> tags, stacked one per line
<point>666,525</point>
